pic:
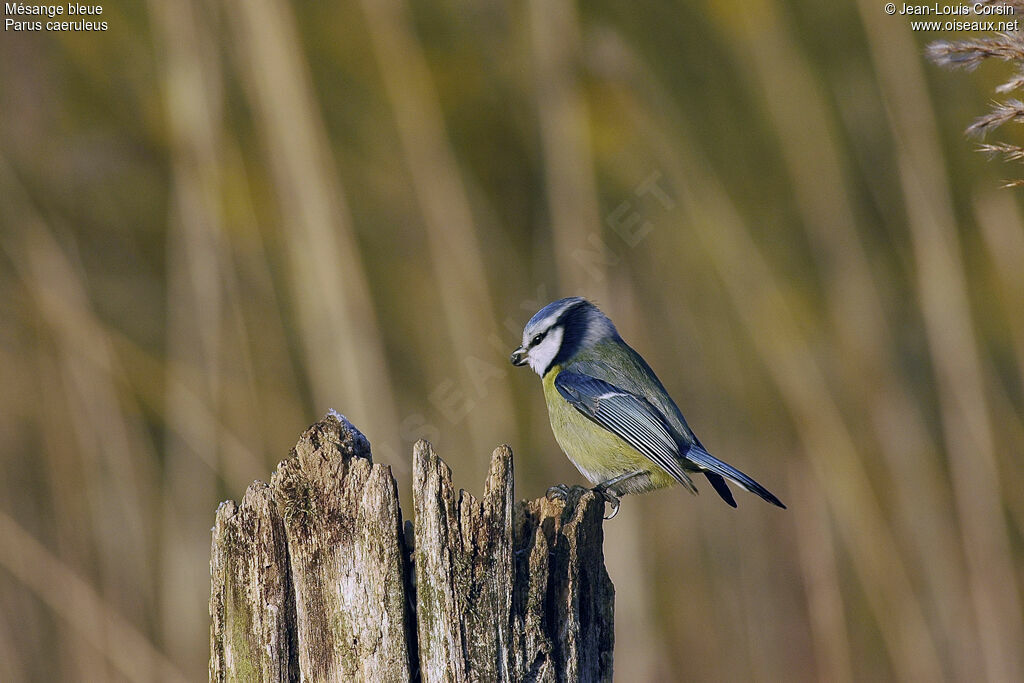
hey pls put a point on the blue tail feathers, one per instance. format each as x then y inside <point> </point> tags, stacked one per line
<point>716,469</point>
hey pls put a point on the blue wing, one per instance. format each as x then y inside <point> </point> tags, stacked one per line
<point>630,417</point>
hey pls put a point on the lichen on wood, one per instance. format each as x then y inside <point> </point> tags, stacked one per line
<point>251,600</point>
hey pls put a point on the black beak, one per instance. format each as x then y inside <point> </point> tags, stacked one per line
<point>518,357</point>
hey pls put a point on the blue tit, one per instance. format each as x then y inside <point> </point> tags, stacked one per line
<point>609,412</point>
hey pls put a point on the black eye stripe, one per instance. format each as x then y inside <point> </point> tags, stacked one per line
<point>537,338</point>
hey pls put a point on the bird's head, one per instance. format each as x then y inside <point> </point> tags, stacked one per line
<point>559,331</point>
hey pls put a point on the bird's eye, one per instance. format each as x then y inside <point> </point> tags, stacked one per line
<point>537,339</point>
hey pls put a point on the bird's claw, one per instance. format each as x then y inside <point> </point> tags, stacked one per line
<point>558,492</point>
<point>608,497</point>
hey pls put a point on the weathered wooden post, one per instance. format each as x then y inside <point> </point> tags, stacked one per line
<point>314,578</point>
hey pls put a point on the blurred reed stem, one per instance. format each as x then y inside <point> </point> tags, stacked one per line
<point>1002,228</point>
<point>817,554</point>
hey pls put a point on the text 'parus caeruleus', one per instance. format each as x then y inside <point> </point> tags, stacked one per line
<point>609,412</point>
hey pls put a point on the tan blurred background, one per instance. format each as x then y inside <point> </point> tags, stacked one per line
<point>220,219</point>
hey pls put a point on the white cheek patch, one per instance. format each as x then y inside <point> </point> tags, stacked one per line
<point>542,354</point>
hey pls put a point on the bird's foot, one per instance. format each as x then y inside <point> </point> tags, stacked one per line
<point>558,492</point>
<point>561,492</point>
<point>608,497</point>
